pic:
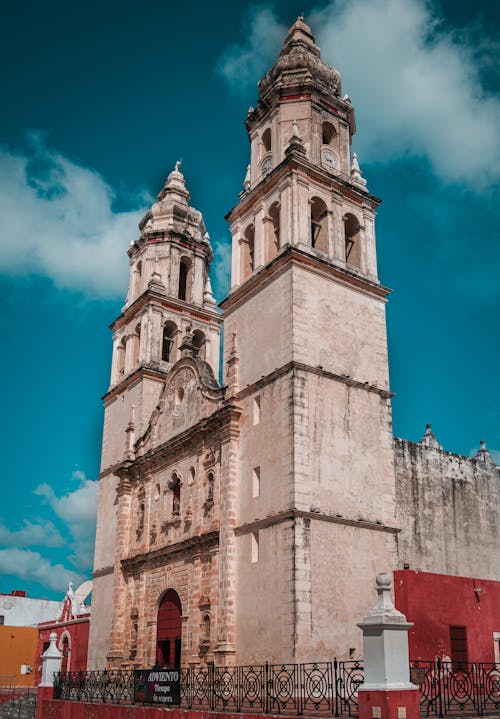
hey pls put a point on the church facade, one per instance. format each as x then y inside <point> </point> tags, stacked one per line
<point>241,522</point>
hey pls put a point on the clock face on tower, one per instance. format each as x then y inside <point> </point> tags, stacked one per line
<point>328,160</point>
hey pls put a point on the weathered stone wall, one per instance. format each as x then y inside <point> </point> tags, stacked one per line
<point>448,508</point>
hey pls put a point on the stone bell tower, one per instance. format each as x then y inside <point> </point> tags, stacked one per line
<point>169,297</point>
<point>316,478</point>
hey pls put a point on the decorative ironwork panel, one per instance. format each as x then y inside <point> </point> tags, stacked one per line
<point>283,694</point>
<point>348,677</point>
<point>316,687</point>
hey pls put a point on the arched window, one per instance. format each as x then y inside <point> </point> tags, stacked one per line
<point>169,630</point>
<point>328,133</point>
<point>319,230</point>
<point>273,231</point>
<point>168,342</point>
<point>352,232</point>
<point>199,342</point>
<point>184,292</point>
<point>247,252</point>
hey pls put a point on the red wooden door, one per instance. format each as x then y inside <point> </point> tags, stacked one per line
<point>169,630</point>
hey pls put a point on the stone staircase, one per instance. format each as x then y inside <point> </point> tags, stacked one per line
<point>19,704</point>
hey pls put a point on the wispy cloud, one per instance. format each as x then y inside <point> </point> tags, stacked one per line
<point>243,65</point>
<point>78,510</point>
<point>31,566</point>
<point>417,86</point>
<point>31,534</point>
<point>221,268</point>
<point>58,220</point>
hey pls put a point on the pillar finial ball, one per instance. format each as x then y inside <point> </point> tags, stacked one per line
<point>383,580</point>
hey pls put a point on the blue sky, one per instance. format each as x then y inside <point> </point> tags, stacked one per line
<point>101,99</point>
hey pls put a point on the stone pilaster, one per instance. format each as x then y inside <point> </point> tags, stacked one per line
<point>225,649</point>
<point>117,641</point>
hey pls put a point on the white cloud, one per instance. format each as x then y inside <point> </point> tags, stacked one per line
<point>30,567</point>
<point>416,86</point>
<point>242,65</point>
<point>78,509</point>
<point>221,268</point>
<point>31,534</point>
<point>58,221</point>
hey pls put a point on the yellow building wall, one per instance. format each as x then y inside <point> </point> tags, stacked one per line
<point>18,646</point>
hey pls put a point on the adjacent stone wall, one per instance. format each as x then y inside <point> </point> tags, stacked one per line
<point>448,508</point>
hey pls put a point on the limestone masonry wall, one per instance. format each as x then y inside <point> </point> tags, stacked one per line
<point>448,508</point>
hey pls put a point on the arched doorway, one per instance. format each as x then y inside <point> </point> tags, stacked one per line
<point>65,650</point>
<point>169,630</point>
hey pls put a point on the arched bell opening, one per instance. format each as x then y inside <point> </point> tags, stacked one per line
<point>185,273</point>
<point>319,229</point>
<point>169,630</point>
<point>168,345</point>
<point>199,344</point>
<point>247,249</point>
<point>273,231</point>
<point>352,233</point>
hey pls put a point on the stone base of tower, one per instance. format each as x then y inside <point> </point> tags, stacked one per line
<point>389,704</point>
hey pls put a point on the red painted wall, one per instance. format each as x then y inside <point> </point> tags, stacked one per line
<point>78,630</point>
<point>434,602</point>
<point>57,709</point>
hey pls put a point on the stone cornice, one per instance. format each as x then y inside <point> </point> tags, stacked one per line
<point>292,255</point>
<point>295,162</point>
<point>149,297</point>
<point>159,556</point>
<point>301,367</point>
<point>224,422</point>
<point>143,370</point>
<point>103,572</point>
<point>292,514</point>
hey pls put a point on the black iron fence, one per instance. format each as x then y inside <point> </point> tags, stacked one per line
<point>324,688</point>
<point>457,688</point>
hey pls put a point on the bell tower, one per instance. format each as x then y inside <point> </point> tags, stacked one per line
<point>316,478</point>
<point>169,298</point>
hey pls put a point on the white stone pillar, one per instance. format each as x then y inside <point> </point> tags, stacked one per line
<point>51,662</point>
<point>386,692</point>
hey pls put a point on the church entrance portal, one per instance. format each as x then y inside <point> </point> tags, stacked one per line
<point>169,630</point>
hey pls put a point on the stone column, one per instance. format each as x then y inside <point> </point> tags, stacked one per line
<point>386,692</point>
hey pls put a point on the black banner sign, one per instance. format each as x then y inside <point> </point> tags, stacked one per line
<point>162,687</point>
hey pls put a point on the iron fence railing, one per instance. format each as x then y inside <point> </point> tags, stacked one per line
<point>451,688</point>
<point>324,688</point>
